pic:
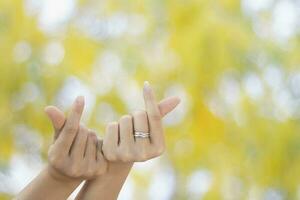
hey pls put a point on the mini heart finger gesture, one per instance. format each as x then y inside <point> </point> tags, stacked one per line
<point>76,152</point>
<point>140,136</point>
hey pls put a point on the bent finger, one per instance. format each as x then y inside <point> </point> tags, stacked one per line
<point>126,131</point>
<point>79,144</point>
<point>101,161</point>
<point>91,147</point>
<point>110,142</point>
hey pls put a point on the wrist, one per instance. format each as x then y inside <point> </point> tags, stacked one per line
<point>116,172</point>
<point>119,168</point>
<point>108,184</point>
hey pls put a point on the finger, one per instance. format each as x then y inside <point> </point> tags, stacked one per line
<point>111,140</point>
<point>140,121</point>
<point>79,144</point>
<point>126,131</point>
<point>57,118</point>
<point>100,156</point>
<point>71,126</point>
<point>167,105</point>
<point>101,161</point>
<point>154,115</point>
<point>91,147</point>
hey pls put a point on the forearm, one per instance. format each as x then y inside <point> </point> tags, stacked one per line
<point>46,187</point>
<point>107,186</point>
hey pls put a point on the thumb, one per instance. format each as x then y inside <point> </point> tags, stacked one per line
<point>168,104</point>
<point>57,118</point>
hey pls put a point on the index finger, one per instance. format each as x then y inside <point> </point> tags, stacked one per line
<point>70,129</point>
<point>154,115</point>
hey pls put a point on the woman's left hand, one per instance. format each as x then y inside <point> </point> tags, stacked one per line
<point>140,136</point>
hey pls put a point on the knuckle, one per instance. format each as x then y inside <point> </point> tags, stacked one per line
<point>55,160</point>
<point>92,135</point>
<point>89,173</point>
<point>108,154</point>
<point>159,150</point>
<point>83,129</point>
<point>140,113</point>
<point>126,118</point>
<point>142,157</point>
<point>126,157</point>
<point>121,152</point>
<point>74,172</point>
<point>80,134</point>
<point>112,125</point>
<point>71,129</point>
<point>111,157</point>
<point>92,132</point>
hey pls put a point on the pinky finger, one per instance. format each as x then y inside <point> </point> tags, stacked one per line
<point>101,161</point>
<point>90,152</point>
<point>99,149</point>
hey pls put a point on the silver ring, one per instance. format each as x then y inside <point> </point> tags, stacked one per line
<point>138,134</point>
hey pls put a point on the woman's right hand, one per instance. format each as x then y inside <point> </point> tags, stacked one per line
<point>76,152</point>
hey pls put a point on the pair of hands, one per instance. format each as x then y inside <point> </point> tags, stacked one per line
<point>76,154</point>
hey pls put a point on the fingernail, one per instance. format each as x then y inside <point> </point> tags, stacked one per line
<point>147,85</point>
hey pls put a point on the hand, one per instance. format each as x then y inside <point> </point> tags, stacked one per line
<point>76,153</point>
<point>120,145</point>
<point>109,184</point>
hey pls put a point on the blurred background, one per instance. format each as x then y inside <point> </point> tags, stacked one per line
<point>235,65</point>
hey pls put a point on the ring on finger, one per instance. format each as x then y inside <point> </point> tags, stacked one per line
<point>139,134</point>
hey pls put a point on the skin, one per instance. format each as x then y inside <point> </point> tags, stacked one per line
<point>119,143</point>
<point>74,156</point>
<point>121,149</point>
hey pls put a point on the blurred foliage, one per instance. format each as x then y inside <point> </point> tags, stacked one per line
<point>190,48</point>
